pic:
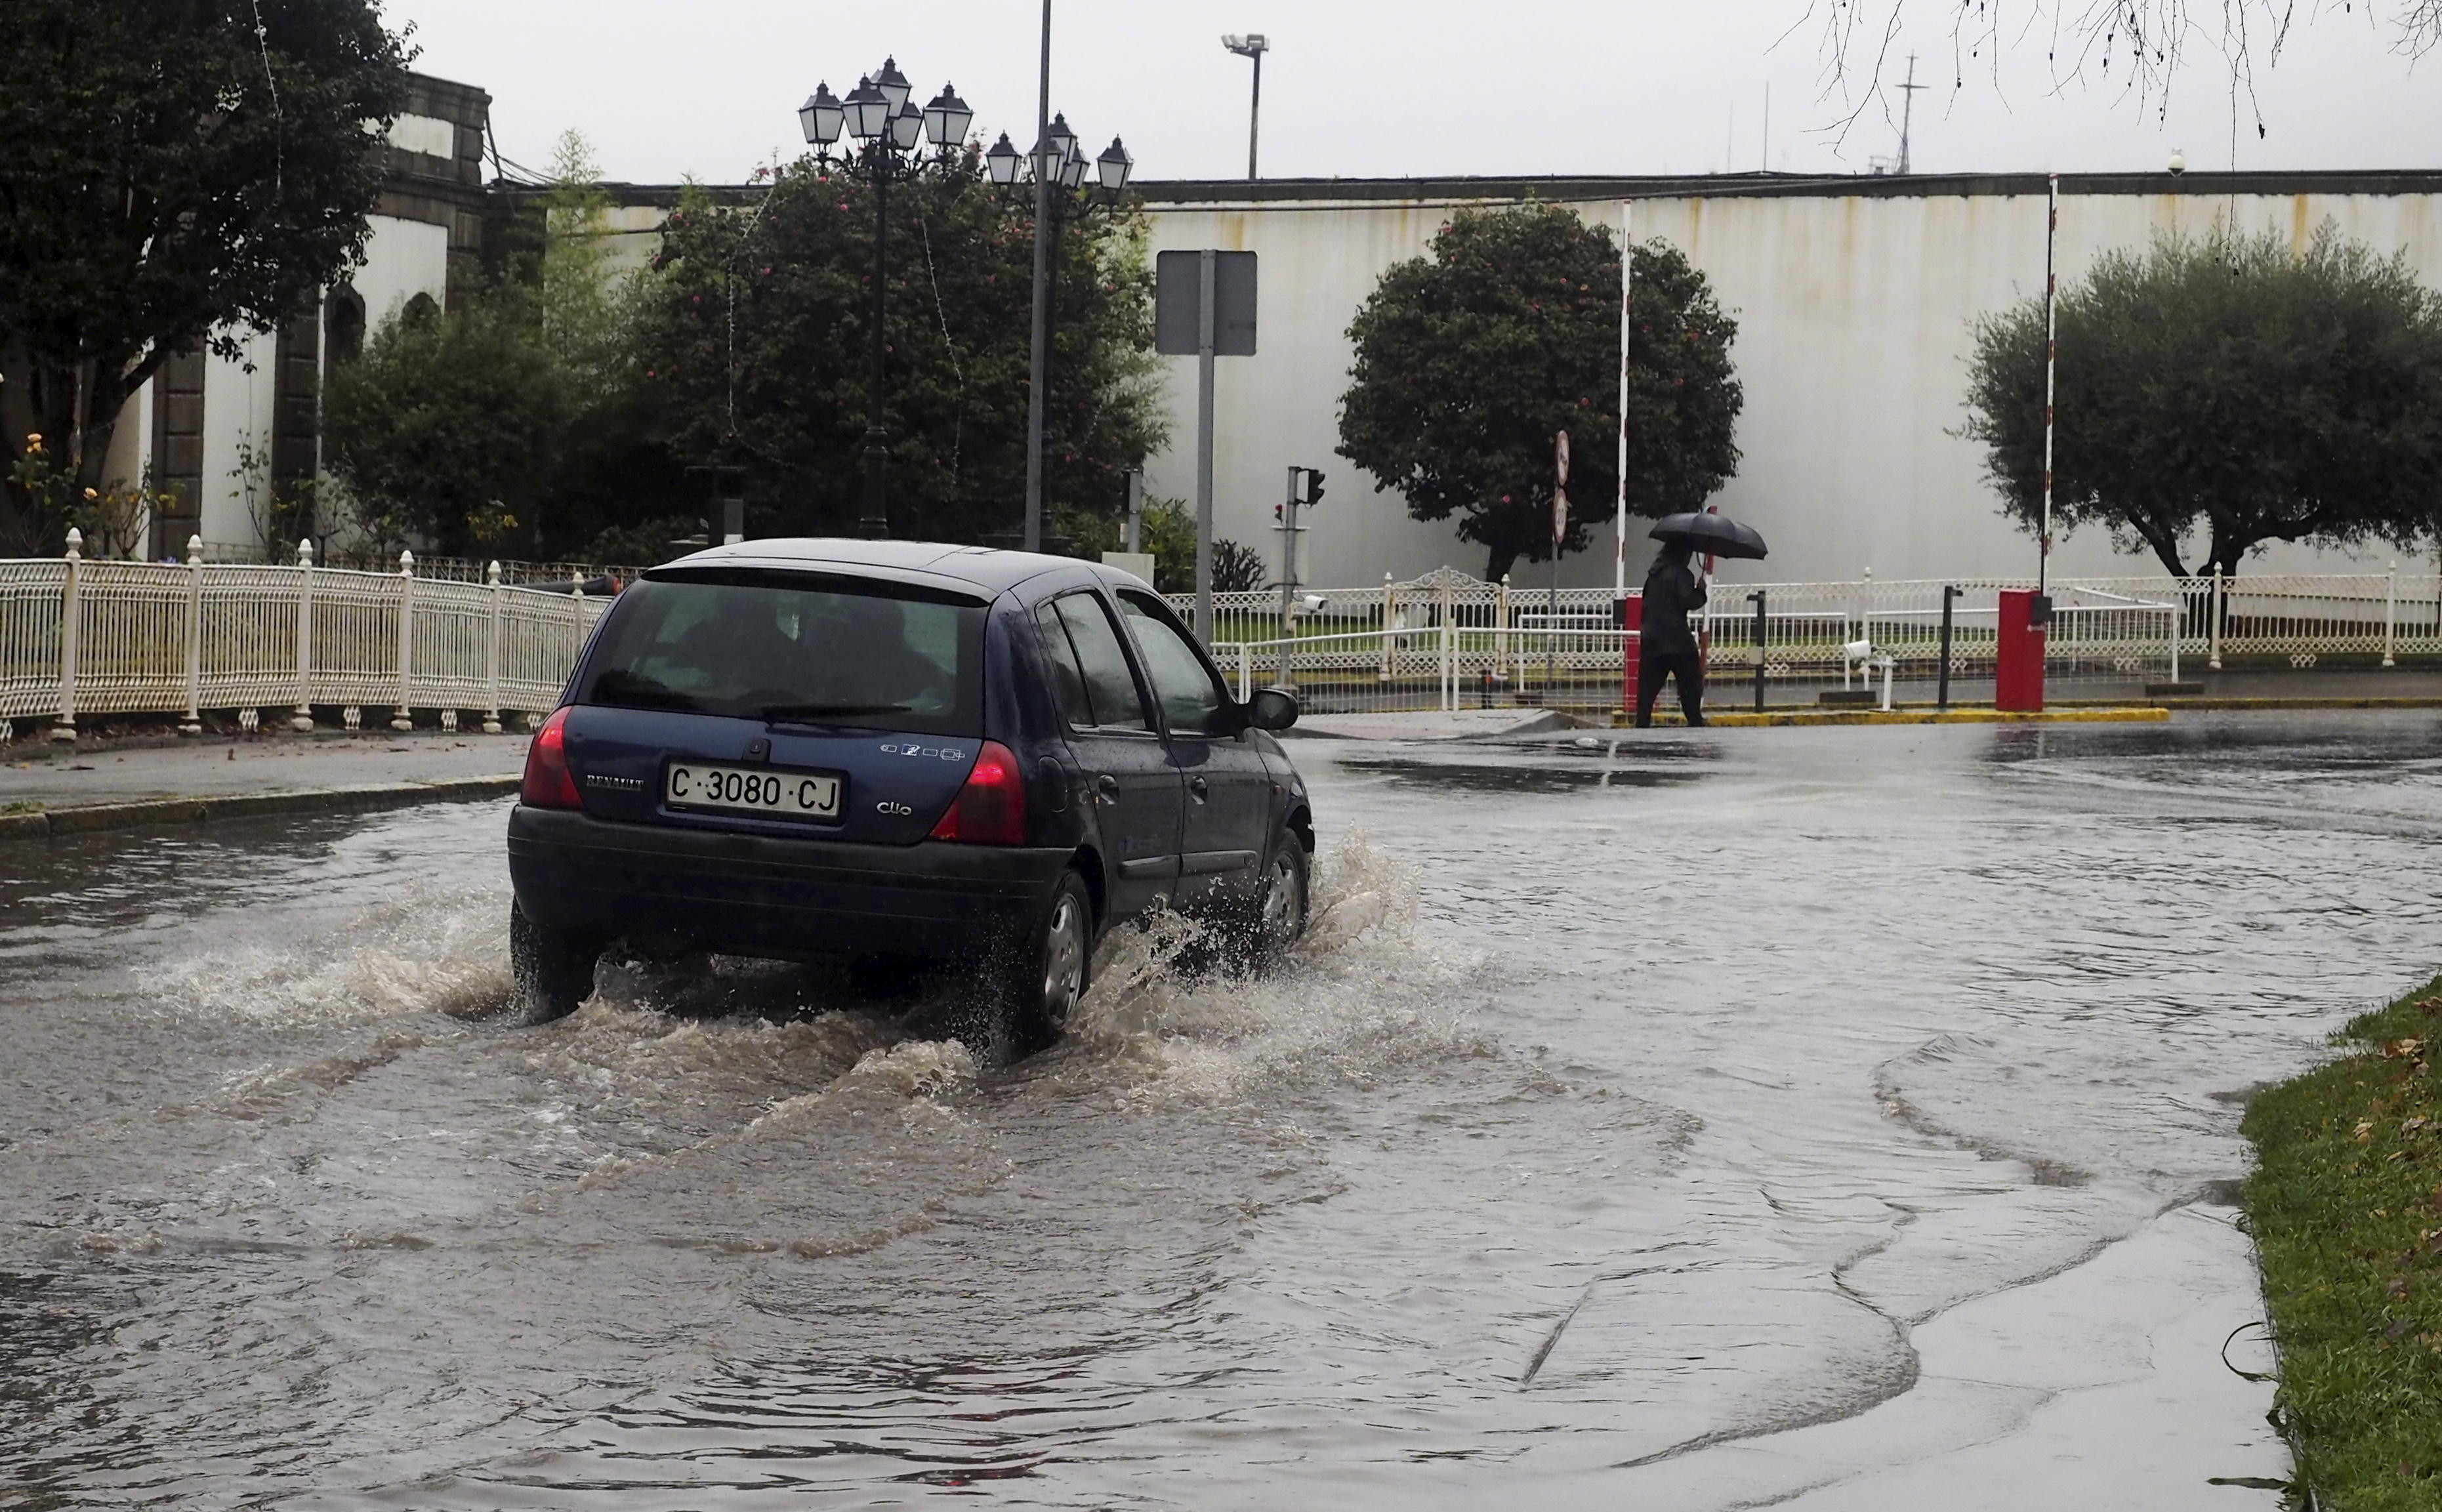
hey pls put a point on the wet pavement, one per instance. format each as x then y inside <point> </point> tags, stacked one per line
<point>57,776</point>
<point>1831,1118</point>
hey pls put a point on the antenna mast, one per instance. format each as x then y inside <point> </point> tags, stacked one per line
<point>1908,109</point>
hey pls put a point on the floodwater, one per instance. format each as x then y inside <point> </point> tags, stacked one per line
<point>1829,1118</point>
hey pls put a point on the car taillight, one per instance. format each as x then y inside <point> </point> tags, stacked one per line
<point>549,783</point>
<point>990,808</point>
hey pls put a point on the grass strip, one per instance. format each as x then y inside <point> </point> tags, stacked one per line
<point>2345,1206</point>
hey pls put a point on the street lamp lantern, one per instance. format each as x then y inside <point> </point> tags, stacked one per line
<point>1043,164</point>
<point>888,131</point>
<point>1064,141</point>
<point>869,111</point>
<point>822,116</point>
<point>1002,161</point>
<point>1114,166</point>
<point>1072,169</point>
<point>893,84</point>
<point>947,118</point>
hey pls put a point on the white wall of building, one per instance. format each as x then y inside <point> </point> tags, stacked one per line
<point>402,259</point>
<point>1854,325</point>
<point>237,418</point>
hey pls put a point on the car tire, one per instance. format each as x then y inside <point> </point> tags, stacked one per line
<point>552,968</point>
<point>1032,988</point>
<point>1283,903</point>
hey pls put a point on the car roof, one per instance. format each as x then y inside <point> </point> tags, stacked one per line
<point>981,566</point>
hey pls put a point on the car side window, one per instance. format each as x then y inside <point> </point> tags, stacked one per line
<point>1067,678</point>
<point>1110,688</point>
<point>1190,699</point>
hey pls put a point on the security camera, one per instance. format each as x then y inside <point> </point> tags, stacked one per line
<point>1313,604</point>
<point>2178,162</point>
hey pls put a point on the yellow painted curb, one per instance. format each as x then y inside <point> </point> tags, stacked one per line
<point>2145,715</point>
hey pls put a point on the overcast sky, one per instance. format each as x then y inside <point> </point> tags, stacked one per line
<point>1422,86</point>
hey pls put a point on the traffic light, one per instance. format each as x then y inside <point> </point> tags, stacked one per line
<point>1313,486</point>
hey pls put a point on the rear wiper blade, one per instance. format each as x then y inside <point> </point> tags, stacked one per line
<point>641,692</point>
<point>786,712</point>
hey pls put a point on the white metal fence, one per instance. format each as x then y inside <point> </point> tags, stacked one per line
<point>81,637</point>
<point>1447,639</point>
<point>104,637</point>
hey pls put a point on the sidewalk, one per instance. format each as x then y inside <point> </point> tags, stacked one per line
<point>50,789</point>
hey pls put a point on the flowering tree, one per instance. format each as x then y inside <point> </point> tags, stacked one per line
<point>172,171</point>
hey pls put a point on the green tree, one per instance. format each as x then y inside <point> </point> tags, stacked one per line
<point>171,171</point>
<point>450,428</point>
<point>753,341</point>
<point>2232,385</point>
<point>1470,358</point>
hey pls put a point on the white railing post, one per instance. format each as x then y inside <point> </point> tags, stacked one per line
<point>64,728</point>
<point>2179,615</point>
<point>2389,611</point>
<point>193,723</point>
<point>1246,670</point>
<point>401,720</point>
<point>492,655</point>
<point>1390,612</point>
<point>2213,640</point>
<point>1500,632</point>
<point>303,722</point>
<point>1450,647</point>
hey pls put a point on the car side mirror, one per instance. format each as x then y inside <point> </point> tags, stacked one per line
<point>1272,710</point>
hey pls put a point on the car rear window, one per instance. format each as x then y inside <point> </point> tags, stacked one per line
<point>832,652</point>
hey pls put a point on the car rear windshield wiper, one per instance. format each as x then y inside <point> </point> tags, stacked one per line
<point>785,713</point>
<point>627,688</point>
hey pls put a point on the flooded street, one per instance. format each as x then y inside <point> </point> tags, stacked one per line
<point>1832,1119</point>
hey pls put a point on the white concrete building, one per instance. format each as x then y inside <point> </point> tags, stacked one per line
<point>1854,298</point>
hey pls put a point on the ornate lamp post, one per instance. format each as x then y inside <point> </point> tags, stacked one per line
<point>888,131</point>
<point>1057,169</point>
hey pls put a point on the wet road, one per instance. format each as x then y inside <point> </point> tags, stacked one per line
<point>1831,1118</point>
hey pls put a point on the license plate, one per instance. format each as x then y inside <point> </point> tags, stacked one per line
<point>752,789</point>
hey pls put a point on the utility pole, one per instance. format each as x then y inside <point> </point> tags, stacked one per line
<point>1251,46</point>
<point>1908,109</point>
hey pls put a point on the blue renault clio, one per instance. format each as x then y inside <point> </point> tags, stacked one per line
<point>902,757</point>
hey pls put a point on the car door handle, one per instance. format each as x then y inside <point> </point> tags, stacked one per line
<point>1198,787</point>
<point>1108,787</point>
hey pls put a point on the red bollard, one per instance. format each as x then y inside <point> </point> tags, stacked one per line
<point>2018,661</point>
<point>1631,618</point>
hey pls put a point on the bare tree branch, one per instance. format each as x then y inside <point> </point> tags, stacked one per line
<point>2141,46</point>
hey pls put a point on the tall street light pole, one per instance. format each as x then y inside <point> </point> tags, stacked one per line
<point>1058,170</point>
<point>877,113</point>
<point>1039,363</point>
<point>1251,46</point>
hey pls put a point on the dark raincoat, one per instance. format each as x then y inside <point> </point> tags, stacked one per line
<point>1673,588</point>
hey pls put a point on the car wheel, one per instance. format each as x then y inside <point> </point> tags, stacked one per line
<point>1040,982</point>
<point>552,968</point>
<point>1282,900</point>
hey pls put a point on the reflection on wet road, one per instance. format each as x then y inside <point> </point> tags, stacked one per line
<point>1831,1119</point>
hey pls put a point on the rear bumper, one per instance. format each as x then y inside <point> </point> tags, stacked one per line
<point>756,894</point>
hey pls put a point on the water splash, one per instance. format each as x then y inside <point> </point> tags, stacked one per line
<point>1362,995</point>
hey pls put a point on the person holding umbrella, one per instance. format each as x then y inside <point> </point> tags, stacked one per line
<point>1667,646</point>
<point>1673,590</point>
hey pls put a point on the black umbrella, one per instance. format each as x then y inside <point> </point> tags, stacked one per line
<point>1710,533</point>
